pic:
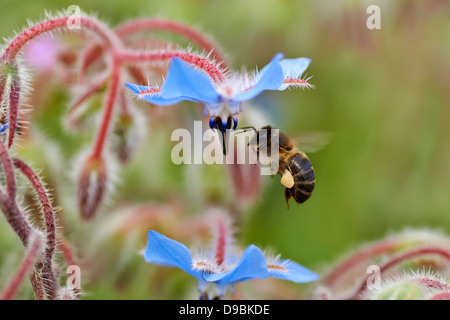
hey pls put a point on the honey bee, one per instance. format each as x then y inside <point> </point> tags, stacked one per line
<point>294,167</point>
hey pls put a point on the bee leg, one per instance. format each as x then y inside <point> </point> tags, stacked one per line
<point>287,195</point>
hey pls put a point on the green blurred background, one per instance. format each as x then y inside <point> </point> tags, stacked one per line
<point>384,94</point>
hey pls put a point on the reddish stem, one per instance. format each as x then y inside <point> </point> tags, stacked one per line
<point>221,241</point>
<point>88,56</point>
<point>432,283</point>
<point>38,287</point>
<point>15,46</point>
<point>140,56</point>
<point>30,257</point>
<point>70,261</point>
<point>66,252</point>
<point>14,98</point>
<point>396,260</point>
<point>111,98</point>
<point>8,204</point>
<point>47,208</point>
<point>92,89</point>
<point>19,42</point>
<point>8,171</point>
<point>149,24</point>
<point>357,259</point>
<point>2,87</point>
<point>441,296</point>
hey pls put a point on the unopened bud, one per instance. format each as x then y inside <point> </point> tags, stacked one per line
<point>92,186</point>
<point>129,129</point>
<point>123,144</point>
<point>400,290</point>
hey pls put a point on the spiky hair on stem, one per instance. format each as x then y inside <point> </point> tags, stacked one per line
<point>391,243</point>
<point>46,26</point>
<point>13,50</point>
<point>428,283</point>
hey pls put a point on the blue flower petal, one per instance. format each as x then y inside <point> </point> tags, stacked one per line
<point>270,78</point>
<point>166,252</point>
<point>251,265</point>
<point>187,83</point>
<point>153,98</point>
<point>295,272</point>
<point>293,68</point>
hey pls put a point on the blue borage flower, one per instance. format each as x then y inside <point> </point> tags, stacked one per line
<point>252,264</point>
<point>223,100</point>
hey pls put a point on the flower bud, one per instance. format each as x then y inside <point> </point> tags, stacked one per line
<point>129,129</point>
<point>92,186</point>
<point>400,290</point>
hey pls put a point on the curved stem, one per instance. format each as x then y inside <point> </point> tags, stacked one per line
<point>215,73</point>
<point>111,98</point>
<point>92,89</point>
<point>441,296</point>
<point>93,51</point>
<point>87,57</point>
<point>38,287</point>
<point>30,257</point>
<point>221,242</point>
<point>159,24</point>
<point>8,204</point>
<point>47,271</point>
<point>93,25</point>
<point>46,206</point>
<point>396,260</point>
<point>66,252</point>
<point>357,259</point>
<point>8,172</point>
<point>14,99</point>
<point>16,45</point>
<point>431,283</point>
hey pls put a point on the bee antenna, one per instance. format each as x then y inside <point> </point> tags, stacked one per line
<point>245,129</point>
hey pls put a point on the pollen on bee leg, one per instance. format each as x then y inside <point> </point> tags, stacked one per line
<point>287,179</point>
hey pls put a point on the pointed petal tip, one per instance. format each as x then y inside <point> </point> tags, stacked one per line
<point>278,56</point>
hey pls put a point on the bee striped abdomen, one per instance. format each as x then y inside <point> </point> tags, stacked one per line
<point>304,177</point>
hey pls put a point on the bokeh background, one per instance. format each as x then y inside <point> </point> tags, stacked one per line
<point>384,94</point>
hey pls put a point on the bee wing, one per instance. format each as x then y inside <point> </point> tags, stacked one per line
<point>313,141</point>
